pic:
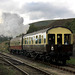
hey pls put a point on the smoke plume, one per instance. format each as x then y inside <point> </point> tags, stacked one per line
<point>12,25</point>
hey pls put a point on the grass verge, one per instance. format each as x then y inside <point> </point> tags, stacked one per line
<point>71,61</point>
<point>6,70</point>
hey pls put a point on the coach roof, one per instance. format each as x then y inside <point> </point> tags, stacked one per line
<point>45,30</point>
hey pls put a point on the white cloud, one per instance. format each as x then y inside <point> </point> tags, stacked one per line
<point>40,10</point>
<point>34,10</point>
<point>15,6</point>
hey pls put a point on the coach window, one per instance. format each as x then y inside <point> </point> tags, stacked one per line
<point>39,39</point>
<point>51,39</point>
<point>19,42</point>
<point>29,40</point>
<point>12,43</point>
<point>36,39</point>
<point>25,40</point>
<point>67,39</point>
<point>59,39</point>
<point>42,39</point>
<point>15,43</point>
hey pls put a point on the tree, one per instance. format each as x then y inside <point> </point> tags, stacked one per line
<point>32,28</point>
<point>4,38</point>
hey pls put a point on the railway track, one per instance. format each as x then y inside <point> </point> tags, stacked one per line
<point>25,68</point>
<point>71,65</point>
<point>67,68</point>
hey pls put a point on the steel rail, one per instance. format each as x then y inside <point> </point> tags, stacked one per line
<point>5,57</point>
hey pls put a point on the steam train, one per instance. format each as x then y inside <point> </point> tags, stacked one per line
<point>51,44</point>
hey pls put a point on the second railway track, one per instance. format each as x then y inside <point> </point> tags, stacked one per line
<point>26,69</point>
<point>66,68</point>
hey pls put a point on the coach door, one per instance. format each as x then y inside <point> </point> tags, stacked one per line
<point>59,41</point>
<point>51,39</point>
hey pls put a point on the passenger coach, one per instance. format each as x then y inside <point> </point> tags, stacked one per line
<point>16,45</point>
<point>51,44</point>
<point>55,44</point>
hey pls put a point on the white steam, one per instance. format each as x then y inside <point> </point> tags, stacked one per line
<point>12,25</point>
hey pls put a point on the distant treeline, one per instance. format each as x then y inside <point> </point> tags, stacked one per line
<point>69,23</point>
<point>32,28</point>
<point>4,38</point>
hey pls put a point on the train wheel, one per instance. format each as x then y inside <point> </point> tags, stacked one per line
<point>36,56</point>
<point>43,58</point>
<point>10,51</point>
<point>28,55</point>
<point>64,62</point>
<point>56,61</point>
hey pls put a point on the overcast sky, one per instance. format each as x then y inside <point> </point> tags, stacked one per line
<point>23,12</point>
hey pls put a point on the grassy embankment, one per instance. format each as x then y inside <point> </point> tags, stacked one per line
<point>4,47</point>
<point>74,38</point>
<point>3,69</point>
<point>72,61</point>
<point>7,69</point>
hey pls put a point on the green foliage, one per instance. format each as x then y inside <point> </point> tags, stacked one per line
<point>71,61</point>
<point>4,47</point>
<point>4,38</point>
<point>5,71</point>
<point>8,70</point>
<point>32,28</point>
<point>43,23</point>
<point>71,25</point>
